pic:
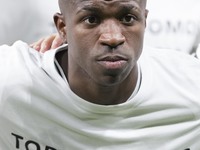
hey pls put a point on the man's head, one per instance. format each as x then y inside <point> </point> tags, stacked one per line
<point>105,37</point>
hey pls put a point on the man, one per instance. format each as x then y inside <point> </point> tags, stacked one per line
<point>100,91</point>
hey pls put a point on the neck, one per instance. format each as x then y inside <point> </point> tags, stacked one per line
<point>95,93</point>
<point>104,95</point>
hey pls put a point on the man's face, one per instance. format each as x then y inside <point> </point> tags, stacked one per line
<point>105,38</point>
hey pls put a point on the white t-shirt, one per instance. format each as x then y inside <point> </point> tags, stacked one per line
<point>38,110</point>
<point>173,24</point>
<point>26,20</point>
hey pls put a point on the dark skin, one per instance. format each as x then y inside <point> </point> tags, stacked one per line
<point>105,41</point>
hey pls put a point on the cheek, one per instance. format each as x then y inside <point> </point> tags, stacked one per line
<point>80,45</point>
<point>135,40</point>
<point>78,53</point>
<point>85,35</point>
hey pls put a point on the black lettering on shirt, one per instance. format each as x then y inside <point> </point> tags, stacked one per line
<point>18,137</point>
<point>32,143</point>
<point>29,144</point>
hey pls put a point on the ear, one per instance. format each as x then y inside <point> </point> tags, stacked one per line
<point>146,14</point>
<point>61,26</point>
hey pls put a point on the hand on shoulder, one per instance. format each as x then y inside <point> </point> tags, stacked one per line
<point>47,43</point>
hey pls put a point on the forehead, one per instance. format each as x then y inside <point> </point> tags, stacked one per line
<point>106,2</point>
<point>77,5</point>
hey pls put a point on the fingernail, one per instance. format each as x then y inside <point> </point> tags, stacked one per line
<point>43,48</point>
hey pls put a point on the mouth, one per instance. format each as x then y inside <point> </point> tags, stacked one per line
<point>113,62</point>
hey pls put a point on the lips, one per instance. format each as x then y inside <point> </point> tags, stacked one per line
<point>112,62</point>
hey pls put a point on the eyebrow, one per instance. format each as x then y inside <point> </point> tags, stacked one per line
<point>89,7</point>
<point>128,7</point>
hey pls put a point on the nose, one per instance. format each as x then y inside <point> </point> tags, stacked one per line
<point>111,35</point>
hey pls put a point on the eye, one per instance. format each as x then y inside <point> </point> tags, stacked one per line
<point>92,20</point>
<point>128,19</point>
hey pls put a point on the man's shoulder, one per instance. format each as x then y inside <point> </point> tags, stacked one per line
<point>12,51</point>
<point>171,64</point>
<point>15,47</point>
<point>169,56</point>
<point>17,55</point>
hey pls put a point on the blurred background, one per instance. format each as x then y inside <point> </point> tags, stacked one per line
<point>173,24</point>
<point>26,20</point>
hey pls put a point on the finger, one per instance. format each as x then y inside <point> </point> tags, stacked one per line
<point>37,45</point>
<point>57,42</point>
<point>47,43</point>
